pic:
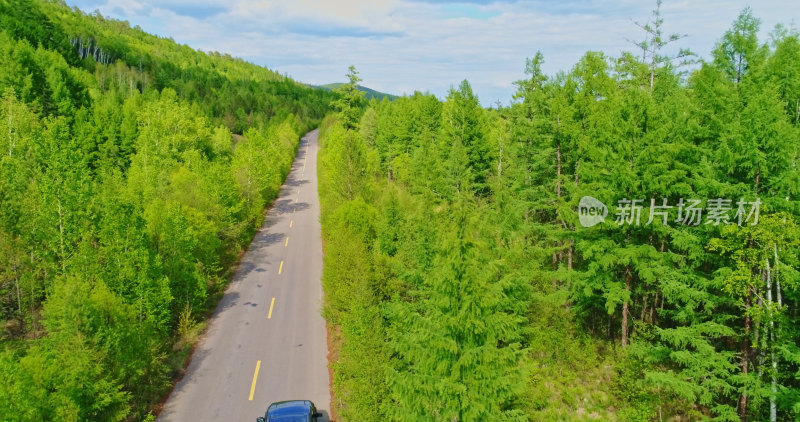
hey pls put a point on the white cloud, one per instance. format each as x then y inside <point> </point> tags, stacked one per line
<point>361,13</point>
<point>402,45</point>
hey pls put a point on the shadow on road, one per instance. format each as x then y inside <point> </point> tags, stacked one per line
<point>257,253</point>
<point>264,239</point>
<point>325,417</point>
<point>287,206</point>
<point>198,353</point>
<point>294,182</point>
<point>228,301</point>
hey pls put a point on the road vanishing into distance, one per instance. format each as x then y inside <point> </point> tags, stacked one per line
<point>267,340</point>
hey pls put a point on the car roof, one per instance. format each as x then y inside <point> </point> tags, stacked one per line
<point>290,407</point>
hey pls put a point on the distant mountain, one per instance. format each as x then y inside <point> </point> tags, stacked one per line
<point>370,93</point>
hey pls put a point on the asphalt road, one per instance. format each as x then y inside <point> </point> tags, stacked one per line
<point>266,341</point>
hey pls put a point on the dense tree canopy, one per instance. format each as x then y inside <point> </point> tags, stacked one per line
<point>481,296</point>
<point>124,200</point>
<point>460,280</point>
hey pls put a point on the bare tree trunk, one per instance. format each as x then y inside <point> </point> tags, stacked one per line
<point>569,268</point>
<point>555,265</point>
<point>758,338</point>
<point>773,406</point>
<point>644,305</point>
<point>777,282</point>
<point>653,308</point>
<point>558,170</point>
<point>33,298</point>
<point>745,354</point>
<point>558,196</point>
<point>625,307</point>
<point>569,254</point>
<point>739,69</point>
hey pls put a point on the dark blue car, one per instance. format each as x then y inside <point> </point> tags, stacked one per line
<point>291,411</point>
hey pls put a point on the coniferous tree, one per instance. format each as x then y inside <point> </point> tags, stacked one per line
<point>459,348</point>
<point>350,100</point>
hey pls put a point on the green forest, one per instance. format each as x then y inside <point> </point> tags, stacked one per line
<point>133,172</point>
<point>461,280</point>
<point>461,286</point>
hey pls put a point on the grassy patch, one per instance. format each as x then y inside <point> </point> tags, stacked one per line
<point>573,375</point>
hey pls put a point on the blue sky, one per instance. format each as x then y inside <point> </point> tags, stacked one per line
<point>400,46</point>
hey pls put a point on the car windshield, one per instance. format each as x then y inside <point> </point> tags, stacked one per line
<point>289,418</point>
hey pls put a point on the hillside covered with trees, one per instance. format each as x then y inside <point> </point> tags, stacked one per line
<point>133,171</point>
<point>461,286</point>
<point>465,276</point>
<point>369,94</point>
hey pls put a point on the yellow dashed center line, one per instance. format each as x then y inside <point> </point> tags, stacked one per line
<point>255,377</point>
<point>287,242</point>
<point>271,305</point>
<point>290,223</point>
<point>280,269</point>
